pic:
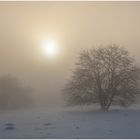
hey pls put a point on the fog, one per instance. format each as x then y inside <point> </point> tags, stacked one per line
<point>74,26</point>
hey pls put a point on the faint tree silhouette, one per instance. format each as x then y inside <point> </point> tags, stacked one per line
<point>13,94</point>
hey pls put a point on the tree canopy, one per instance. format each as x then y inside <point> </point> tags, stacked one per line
<point>104,75</point>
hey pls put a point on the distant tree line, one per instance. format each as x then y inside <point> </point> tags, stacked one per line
<point>13,95</point>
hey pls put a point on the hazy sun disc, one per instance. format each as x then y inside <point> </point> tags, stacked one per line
<point>50,49</point>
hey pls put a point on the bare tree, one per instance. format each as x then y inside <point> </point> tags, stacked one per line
<point>13,94</point>
<point>106,75</point>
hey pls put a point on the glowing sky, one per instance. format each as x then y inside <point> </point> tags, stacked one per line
<point>73,26</point>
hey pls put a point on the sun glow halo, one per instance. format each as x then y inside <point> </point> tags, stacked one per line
<point>49,48</point>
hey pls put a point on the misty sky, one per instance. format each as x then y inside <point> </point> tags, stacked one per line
<point>74,26</point>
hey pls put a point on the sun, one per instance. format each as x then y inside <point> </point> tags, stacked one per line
<point>50,48</point>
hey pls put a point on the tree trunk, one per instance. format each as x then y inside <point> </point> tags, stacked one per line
<point>104,108</point>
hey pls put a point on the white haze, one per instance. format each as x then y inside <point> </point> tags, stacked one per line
<point>74,25</point>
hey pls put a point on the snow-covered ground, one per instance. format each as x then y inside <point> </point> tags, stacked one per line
<point>70,123</point>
